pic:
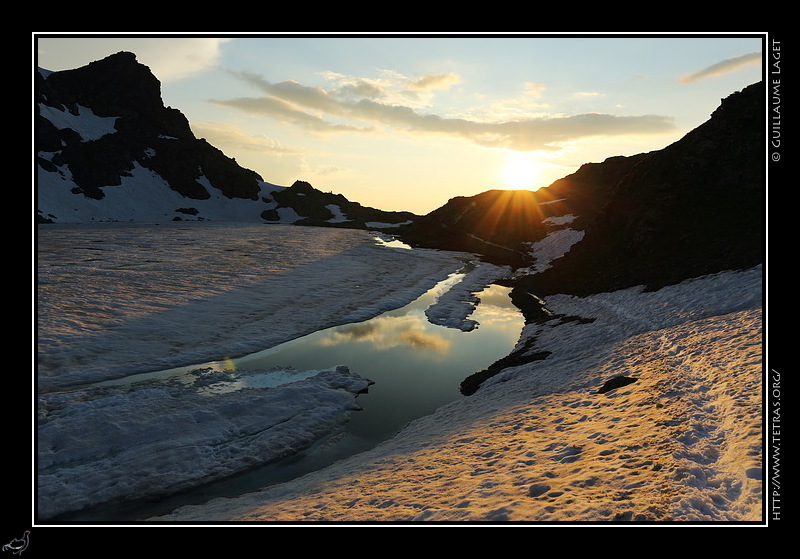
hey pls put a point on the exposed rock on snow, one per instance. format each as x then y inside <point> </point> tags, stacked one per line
<point>616,382</point>
<point>541,440</point>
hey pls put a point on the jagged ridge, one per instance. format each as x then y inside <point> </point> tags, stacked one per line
<point>109,150</point>
<point>696,207</point>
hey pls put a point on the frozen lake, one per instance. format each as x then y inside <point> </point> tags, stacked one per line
<point>209,315</point>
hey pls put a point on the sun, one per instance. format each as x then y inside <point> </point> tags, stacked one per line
<point>521,171</point>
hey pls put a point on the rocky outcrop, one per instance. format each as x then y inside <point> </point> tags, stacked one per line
<point>502,224</point>
<point>327,209</point>
<point>584,192</point>
<point>145,132</point>
<point>692,208</point>
<point>696,207</point>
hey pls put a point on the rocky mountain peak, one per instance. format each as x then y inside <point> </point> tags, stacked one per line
<point>109,150</point>
<point>116,86</point>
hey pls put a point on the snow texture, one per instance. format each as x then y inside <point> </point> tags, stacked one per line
<point>118,443</point>
<point>456,304</point>
<point>120,300</point>
<point>209,290</point>
<point>682,443</point>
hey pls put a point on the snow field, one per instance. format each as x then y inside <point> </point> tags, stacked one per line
<point>541,444</point>
<point>150,306</point>
<point>536,443</point>
<point>210,290</point>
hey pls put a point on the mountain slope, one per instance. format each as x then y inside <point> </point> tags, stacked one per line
<point>502,224</point>
<point>109,150</point>
<point>696,207</point>
<point>494,224</point>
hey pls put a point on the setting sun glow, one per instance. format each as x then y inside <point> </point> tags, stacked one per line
<point>520,171</point>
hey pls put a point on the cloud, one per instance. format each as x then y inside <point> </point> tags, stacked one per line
<point>175,59</point>
<point>391,88</point>
<point>285,112</point>
<point>235,138</point>
<point>534,89</point>
<point>724,67</point>
<point>550,133</point>
<point>386,333</point>
<point>587,94</point>
<point>169,58</point>
<point>430,82</point>
<point>320,110</point>
<point>361,88</point>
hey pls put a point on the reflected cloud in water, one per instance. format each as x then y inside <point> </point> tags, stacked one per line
<point>390,332</point>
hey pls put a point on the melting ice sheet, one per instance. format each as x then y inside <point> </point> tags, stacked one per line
<point>154,440</point>
<point>165,432</point>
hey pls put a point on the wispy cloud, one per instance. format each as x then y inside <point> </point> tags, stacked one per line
<point>430,82</point>
<point>234,137</point>
<point>183,57</point>
<point>341,110</point>
<point>723,67</point>
<point>287,113</point>
<point>169,58</point>
<point>535,89</point>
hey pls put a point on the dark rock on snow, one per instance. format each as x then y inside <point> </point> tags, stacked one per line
<point>694,208</point>
<point>157,137</point>
<point>496,224</point>
<point>616,382</point>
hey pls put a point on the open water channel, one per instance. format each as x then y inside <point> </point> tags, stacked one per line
<point>416,367</point>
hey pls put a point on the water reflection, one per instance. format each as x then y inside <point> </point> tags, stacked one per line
<point>385,333</point>
<point>390,241</point>
<point>416,366</point>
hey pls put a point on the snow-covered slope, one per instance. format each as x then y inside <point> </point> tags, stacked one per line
<point>537,442</point>
<point>112,428</point>
<point>543,443</point>
<point>144,196</point>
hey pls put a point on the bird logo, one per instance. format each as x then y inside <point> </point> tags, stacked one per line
<point>18,545</point>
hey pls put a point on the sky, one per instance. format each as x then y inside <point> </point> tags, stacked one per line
<point>405,123</point>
